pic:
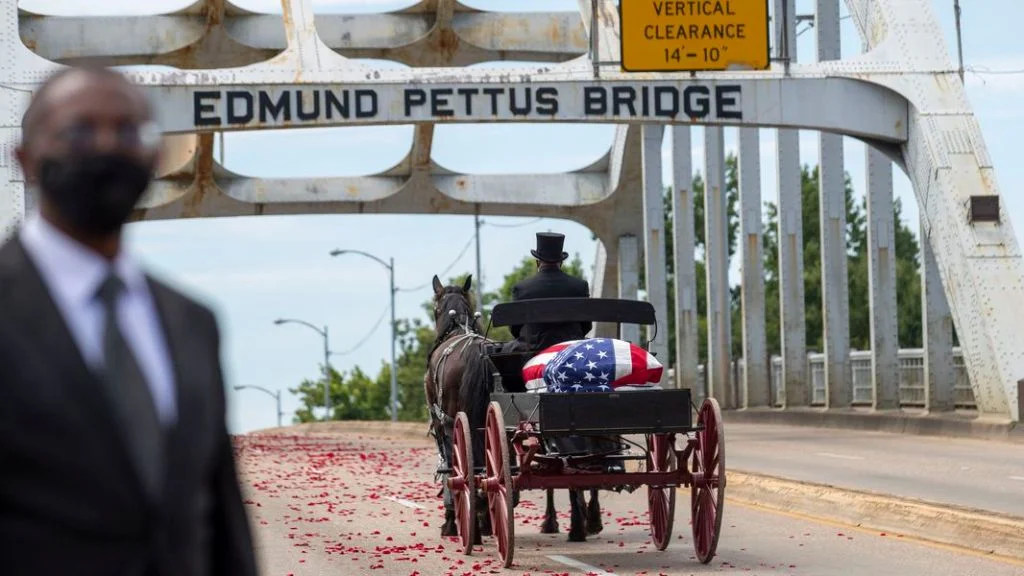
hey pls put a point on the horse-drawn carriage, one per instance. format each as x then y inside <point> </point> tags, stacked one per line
<point>654,441</point>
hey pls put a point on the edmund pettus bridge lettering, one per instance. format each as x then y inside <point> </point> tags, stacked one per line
<point>283,106</point>
<point>680,35</point>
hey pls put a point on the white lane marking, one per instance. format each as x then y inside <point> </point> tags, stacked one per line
<point>404,502</point>
<point>581,566</point>
<point>841,456</point>
<point>1021,478</point>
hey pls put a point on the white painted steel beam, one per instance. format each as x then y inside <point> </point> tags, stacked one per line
<point>716,236</point>
<point>629,281</point>
<point>684,241</point>
<point>225,101</point>
<point>755,346</point>
<point>654,239</point>
<point>885,367</point>
<point>945,156</point>
<point>835,312</point>
<point>191,40</point>
<point>796,386</point>
<point>939,377</point>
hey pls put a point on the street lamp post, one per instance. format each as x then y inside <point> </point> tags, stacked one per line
<point>276,395</point>
<point>327,360</point>
<point>390,265</point>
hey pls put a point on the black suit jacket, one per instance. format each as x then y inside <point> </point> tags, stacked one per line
<point>70,499</point>
<point>550,283</point>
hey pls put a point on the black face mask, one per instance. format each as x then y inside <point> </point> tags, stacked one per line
<point>95,193</point>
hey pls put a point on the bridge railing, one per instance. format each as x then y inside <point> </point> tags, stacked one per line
<point>911,363</point>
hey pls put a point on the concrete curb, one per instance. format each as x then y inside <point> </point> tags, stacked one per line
<point>952,425</point>
<point>961,527</point>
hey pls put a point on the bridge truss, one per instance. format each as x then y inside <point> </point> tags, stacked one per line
<point>238,70</point>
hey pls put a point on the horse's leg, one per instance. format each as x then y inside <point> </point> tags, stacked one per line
<point>594,525</point>
<point>483,516</point>
<point>550,524</point>
<point>449,528</point>
<point>577,506</point>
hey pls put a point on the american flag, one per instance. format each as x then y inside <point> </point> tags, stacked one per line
<point>598,365</point>
<point>533,371</point>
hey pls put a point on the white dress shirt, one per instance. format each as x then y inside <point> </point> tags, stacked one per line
<point>73,274</point>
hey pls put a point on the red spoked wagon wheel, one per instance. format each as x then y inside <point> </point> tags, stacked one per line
<point>707,495</point>
<point>499,484</point>
<point>461,483</point>
<point>661,500</point>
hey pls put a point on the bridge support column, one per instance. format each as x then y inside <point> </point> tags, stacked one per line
<point>756,391</point>
<point>603,284</point>
<point>716,234</point>
<point>832,187</point>
<point>629,281</point>
<point>654,239</point>
<point>685,267</point>
<point>885,368</point>
<point>796,386</point>
<point>939,378</point>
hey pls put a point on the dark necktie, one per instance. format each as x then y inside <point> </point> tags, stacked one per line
<point>129,392</point>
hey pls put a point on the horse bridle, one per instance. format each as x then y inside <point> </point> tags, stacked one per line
<point>463,322</point>
<point>437,415</point>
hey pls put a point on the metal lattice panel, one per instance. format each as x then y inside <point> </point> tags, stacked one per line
<point>237,70</point>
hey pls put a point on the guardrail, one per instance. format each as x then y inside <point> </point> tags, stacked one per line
<point>911,361</point>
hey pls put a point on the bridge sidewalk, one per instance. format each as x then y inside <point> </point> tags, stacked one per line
<point>980,474</point>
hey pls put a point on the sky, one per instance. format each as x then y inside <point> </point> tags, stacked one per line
<point>253,270</point>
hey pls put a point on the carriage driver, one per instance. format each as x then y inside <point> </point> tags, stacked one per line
<point>548,282</point>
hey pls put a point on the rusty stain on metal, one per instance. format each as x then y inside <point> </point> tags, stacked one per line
<point>203,182</point>
<point>286,16</point>
<point>446,42</point>
<point>422,145</point>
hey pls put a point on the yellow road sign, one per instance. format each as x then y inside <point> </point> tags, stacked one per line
<point>689,35</point>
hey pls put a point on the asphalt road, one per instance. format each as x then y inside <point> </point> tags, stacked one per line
<point>980,474</point>
<point>348,504</point>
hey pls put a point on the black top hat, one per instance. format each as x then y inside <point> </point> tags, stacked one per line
<point>549,247</point>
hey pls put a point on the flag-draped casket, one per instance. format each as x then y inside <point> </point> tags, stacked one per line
<point>592,365</point>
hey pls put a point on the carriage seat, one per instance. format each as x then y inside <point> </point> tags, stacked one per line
<point>508,367</point>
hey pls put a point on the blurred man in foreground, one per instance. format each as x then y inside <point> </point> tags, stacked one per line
<point>114,453</point>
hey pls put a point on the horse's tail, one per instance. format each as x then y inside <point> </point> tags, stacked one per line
<point>474,394</point>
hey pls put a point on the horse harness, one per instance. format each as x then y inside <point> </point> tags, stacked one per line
<point>460,342</point>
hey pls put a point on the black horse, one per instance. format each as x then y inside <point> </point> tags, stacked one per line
<point>457,379</point>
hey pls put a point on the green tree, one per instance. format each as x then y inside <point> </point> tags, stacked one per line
<point>356,396</point>
<point>908,276</point>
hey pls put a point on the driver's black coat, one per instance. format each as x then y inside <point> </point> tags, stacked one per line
<point>550,283</point>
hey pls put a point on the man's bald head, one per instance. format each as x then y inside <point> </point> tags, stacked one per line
<point>89,146</point>
<point>69,83</point>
